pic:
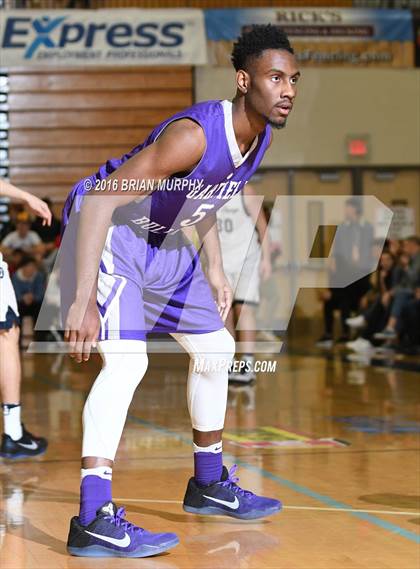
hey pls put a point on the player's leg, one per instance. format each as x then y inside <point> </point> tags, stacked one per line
<point>245,312</point>
<point>10,368</point>
<point>210,356</point>
<point>104,416</point>
<point>16,441</point>
<point>10,375</point>
<point>213,490</point>
<point>100,530</point>
<point>247,297</point>
<point>230,323</point>
<point>246,335</point>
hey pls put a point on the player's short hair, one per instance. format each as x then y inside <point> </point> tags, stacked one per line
<point>256,39</point>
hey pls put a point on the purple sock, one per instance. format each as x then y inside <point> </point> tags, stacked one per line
<point>208,463</point>
<point>95,491</point>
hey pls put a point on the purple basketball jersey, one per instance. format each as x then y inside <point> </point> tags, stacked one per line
<point>181,202</point>
<point>150,277</point>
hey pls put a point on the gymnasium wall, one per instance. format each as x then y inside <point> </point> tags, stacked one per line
<point>63,123</point>
<point>335,103</point>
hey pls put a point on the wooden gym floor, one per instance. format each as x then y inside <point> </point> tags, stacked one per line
<point>336,442</point>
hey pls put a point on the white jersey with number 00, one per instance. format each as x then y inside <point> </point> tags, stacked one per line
<point>238,236</point>
<point>7,293</point>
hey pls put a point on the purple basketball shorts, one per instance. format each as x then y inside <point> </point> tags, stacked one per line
<point>146,284</point>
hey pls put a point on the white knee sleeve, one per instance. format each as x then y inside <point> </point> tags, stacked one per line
<point>105,411</point>
<point>208,377</point>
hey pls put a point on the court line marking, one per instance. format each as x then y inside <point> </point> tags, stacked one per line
<point>313,508</point>
<point>327,500</point>
<point>393,528</point>
<point>387,512</point>
<point>299,488</point>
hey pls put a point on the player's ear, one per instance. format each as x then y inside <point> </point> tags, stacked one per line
<point>242,81</point>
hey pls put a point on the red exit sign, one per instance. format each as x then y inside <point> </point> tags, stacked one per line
<point>357,146</point>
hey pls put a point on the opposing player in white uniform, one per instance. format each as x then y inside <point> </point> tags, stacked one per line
<point>16,440</point>
<point>245,248</point>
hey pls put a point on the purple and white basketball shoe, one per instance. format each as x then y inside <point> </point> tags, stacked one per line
<point>226,498</point>
<point>110,535</point>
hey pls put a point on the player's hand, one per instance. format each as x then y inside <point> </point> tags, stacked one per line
<point>82,330</point>
<point>265,269</point>
<point>222,291</point>
<point>39,208</point>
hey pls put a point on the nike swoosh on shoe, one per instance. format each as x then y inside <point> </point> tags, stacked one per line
<point>123,542</point>
<point>232,505</point>
<point>32,446</point>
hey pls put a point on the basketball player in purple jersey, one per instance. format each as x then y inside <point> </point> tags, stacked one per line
<point>132,271</point>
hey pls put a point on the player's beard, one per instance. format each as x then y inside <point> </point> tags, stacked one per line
<point>276,125</point>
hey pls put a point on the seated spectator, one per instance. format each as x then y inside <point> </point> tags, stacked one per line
<point>48,233</point>
<point>395,246</point>
<point>403,294</point>
<point>408,327</point>
<point>29,285</point>
<point>404,261</point>
<point>387,279</point>
<point>9,225</point>
<point>14,260</point>
<point>22,238</point>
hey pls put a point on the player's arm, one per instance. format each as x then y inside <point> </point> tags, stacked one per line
<point>256,212</point>
<point>37,206</point>
<point>209,237</point>
<point>178,149</point>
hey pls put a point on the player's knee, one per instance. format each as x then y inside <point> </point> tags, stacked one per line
<point>212,365</point>
<point>126,367</point>
<point>228,342</point>
<point>125,360</point>
<point>222,348</point>
<point>212,347</point>
<point>116,383</point>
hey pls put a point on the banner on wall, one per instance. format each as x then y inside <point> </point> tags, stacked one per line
<point>102,37</point>
<point>322,36</point>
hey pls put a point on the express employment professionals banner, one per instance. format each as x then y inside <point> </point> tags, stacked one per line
<point>322,36</point>
<point>102,37</point>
